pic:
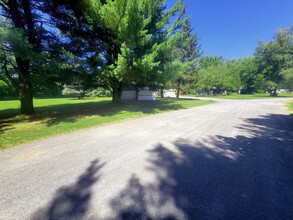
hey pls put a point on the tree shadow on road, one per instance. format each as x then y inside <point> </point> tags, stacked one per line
<point>72,202</point>
<point>243,177</point>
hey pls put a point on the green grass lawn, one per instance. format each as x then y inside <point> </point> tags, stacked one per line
<point>247,96</point>
<point>64,115</point>
<point>290,106</point>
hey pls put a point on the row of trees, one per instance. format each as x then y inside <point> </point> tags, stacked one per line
<point>111,44</point>
<point>270,68</point>
<point>92,43</point>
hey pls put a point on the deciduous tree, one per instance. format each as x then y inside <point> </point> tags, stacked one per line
<point>274,58</point>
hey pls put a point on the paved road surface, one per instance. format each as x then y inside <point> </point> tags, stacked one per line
<point>229,160</point>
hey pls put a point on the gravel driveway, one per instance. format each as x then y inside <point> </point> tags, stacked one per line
<point>229,160</point>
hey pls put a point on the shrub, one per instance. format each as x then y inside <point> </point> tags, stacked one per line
<point>99,92</point>
<point>72,91</point>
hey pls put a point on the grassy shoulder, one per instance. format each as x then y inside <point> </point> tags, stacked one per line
<point>246,96</point>
<point>64,115</point>
<point>290,106</point>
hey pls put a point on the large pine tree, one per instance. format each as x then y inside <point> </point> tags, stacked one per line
<point>23,39</point>
<point>190,51</point>
<point>128,42</point>
<point>24,35</point>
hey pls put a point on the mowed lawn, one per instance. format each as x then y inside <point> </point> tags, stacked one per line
<point>290,106</point>
<point>64,115</point>
<point>247,96</point>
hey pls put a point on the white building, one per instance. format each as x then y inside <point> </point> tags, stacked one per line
<point>140,95</point>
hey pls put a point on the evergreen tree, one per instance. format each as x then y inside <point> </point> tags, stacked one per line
<point>189,50</point>
<point>8,69</point>
<point>128,42</point>
<point>23,35</point>
<point>22,39</point>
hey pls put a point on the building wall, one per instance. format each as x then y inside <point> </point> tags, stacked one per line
<point>143,94</point>
<point>169,93</point>
<point>129,95</point>
<point>146,94</point>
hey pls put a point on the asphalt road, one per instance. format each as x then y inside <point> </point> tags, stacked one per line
<point>229,160</point>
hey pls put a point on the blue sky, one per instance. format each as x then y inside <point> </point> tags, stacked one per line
<point>232,27</point>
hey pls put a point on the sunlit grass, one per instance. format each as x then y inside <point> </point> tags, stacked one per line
<point>59,116</point>
<point>290,106</point>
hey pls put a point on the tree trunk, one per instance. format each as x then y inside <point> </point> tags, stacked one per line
<point>177,93</point>
<point>25,88</point>
<point>273,93</point>
<point>117,94</point>
<point>162,92</point>
<point>23,19</point>
<point>136,94</point>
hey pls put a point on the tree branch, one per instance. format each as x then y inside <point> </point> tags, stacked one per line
<point>15,84</point>
<point>124,9</point>
<point>5,47</point>
<point>5,16</point>
<point>4,6</point>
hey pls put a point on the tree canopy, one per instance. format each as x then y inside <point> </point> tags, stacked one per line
<point>49,45</point>
<point>275,59</point>
<point>268,70</point>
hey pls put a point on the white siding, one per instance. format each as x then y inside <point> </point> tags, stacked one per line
<point>129,95</point>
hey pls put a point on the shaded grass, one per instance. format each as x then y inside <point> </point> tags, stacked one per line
<point>246,96</point>
<point>59,116</point>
